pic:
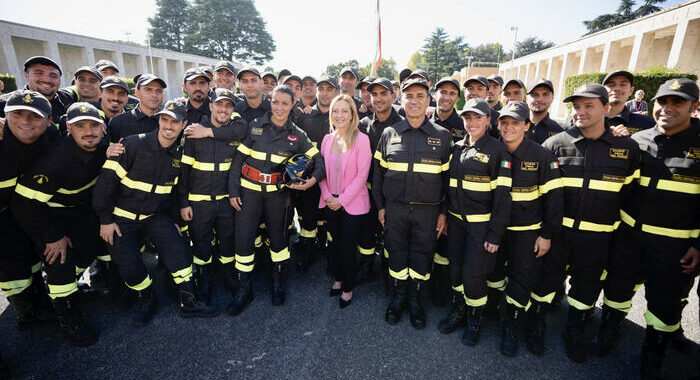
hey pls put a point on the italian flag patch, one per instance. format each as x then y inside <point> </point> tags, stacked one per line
<point>554,165</point>
<point>505,164</point>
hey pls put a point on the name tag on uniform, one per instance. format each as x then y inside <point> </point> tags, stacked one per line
<point>256,131</point>
<point>482,157</point>
<point>395,139</point>
<point>431,161</point>
<point>686,178</point>
<point>613,178</point>
<point>693,153</point>
<point>292,138</point>
<point>619,153</point>
<point>234,143</point>
<point>530,166</point>
<point>434,141</point>
<point>175,163</point>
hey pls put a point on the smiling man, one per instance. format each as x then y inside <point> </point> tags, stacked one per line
<point>115,94</point>
<point>142,119</point>
<point>539,99</point>
<point>86,87</point>
<point>620,86</point>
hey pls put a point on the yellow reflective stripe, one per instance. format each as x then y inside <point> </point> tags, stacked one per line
<point>427,168</point>
<point>54,204</point>
<point>202,197</point>
<point>622,306</point>
<point>679,187</point>
<point>578,304</point>
<point>670,232</point>
<point>32,194</point>
<point>105,258</point>
<point>226,259</point>
<point>279,256</point>
<point>475,302</point>
<point>397,166</point>
<point>184,228</point>
<point>329,237</point>
<point>76,191</point>
<point>518,304</point>
<point>546,299</point>
<point>114,165</point>
<point>369,186</point>
<point>644,180</point>
<point>244,149</point>
<point>204,166</point>
<point>129,215</point>
<point>182,275</point>
<point>568,222</point>
<point>142,285</point>
<point>627,218</point>
<point>262,156</point>
<point>604,275</point>
<point>551,185</point>
<point>187,160</point>
<point>595,227</point>
<point>308,233</point>
<point>473,217</point>
<point>596,184</point>
<point>631,177</point>
<point>10,288</point>
<point>377,155</point>
<point>36,267</point>
<point>400,275</point>
<point>654,321</point>
<point>251,186</point>
<point>440,260</point>
<point>459,288</point>
<point>311,152</point>
<point>478,186</point>
<point>245,267</point>
<point>500,284</point>
<point>366,251</point>
<point>61,291</point>
<point>572,181</point>
<point>386,254</point>
<point>502,181</point>
<point>79,271</point>
<point>8,183</point>
<point>525,196</point>
<point>417,276</point>
<point>453,182</point>
<point>531,227</point>
<point>199,261</point>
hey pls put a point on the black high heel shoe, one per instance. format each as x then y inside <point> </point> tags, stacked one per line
<point>335,292</point>
<point>343,303</point>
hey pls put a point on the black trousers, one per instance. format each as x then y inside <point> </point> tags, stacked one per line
<point>273,206</point>
<point>162,231</point>
<point>308,212</point>
<point>470,264</point>
<point>83,229</point>
<point>18,258</point>
<point>656,259</point>
<point>209,217</point>
<point>409,232</point>
<point>345,230</point>
<point>370,229</point>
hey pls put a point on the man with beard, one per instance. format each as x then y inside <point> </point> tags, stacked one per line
<point>477,87</point>
<point>620,85</point>
<point>115,94</point>
<point>365,97</point>
<point>494,95</point>
<point>197,88</point>
<point>108,69</point>
<point>539,98</point>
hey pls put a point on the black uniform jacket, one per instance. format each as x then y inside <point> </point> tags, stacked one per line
<point>543,130</point>
<point>129,123</point>
<point>453,123</point>
<point>373,128</point>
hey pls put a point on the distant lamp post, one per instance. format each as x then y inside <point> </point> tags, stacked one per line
<point>469,64</point>
<point>515,44</point>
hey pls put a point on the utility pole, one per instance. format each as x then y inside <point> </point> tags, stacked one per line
<point>469,64</point>
<point>515,44</point>
<point>150,53</point>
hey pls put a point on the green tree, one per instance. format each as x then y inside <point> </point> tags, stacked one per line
<point>415,62</point>
<point>648,7</point>
<point>228,29</point>
<point>623,14</point>
<point>333,70</point>
<point>489,52</point>
<point>442,56</point>
<point>168,26</point>
<point>531,45</point>
<point>386,69</point>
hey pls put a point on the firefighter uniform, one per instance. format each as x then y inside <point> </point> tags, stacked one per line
<point>249,113</point>
<point>409,183</point>
<point>53,200</point>
<point>633,121</point>
<point>479,211</point>
<point>130,123</point>
<point>596,174</point>
<point>543,130</point>
<point>255,177</point>
<point>20,266</point>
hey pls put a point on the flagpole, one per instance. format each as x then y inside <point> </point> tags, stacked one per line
<point>378,53</point>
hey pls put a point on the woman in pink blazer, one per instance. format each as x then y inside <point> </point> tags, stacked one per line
<point>344,196</point>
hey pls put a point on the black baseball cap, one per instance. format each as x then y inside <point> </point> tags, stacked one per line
<point>348,69</point>
<point>291,78</point>
<point>30,101</point>
<point>104,64</point>
<point>223,93</point>
<point>420,73</point>
<point>381,82</point>
<point>175,108</point>
<point>83,111</point>
<point>207,70</point>
<point>477,78</point>
<point>366,80</point>
<point>328,80</point>
<point>479,106</point>
<point>194,73</point>
<point>448,80</point>
<point>517,110</point>
<point>496,78</point>
<point>308,77</point>
<point>114,81</point>
<point>404,74</point>
<point>283,72</point>
<point>269,74</point>
<point>136,78</point>
<point>40,59</point>
<point>396,83</point>
<point>226,65</point>
<point>623,73</point>
<point>415,82</point>
<point>251,70</point>
<point>541,82</point>
<point>516,81</point>
<point>589,90</point>
<point>681,87</point>
<point>145,79</point>
<point>88,69</point>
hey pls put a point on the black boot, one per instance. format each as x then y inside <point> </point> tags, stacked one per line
<point>202,283</point>
<point>71,322</point>
<point>440,285</point>
<point>610,324</point>
<point>536,317</point>
<point>397,302</point>
<point>306,253</point>
<point>144,308</point>
<point>388,281</point>
<point>114,285</point>
<point>457,315</point>
<point>40,291</point>
<point>509,328</point>
<point>558,297</point>
<point>475,316</point>
<point>191,305</point>
<point>29,311</point>
<point>493,304</point>
<point>653,352</point>
<point>574,334</point>
<point>230,276</point>
<point>87,293</point>
<point>366,272</point>
<point>415,305</point>
<point>243,294</point>
<point>277,289</point>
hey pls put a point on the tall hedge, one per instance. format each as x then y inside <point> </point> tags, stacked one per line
<point>10,83</point>
<point>648,80</point>
<point>130,83</point>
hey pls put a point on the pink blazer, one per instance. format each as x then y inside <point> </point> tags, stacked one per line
<point>353,171</point>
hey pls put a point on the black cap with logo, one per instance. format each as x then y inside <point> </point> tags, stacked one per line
<point>541,82</point>
<point>477,78</point>
<point>40,59</point>
<point>415,82</point>
<point>105,64</point>
<point>194,73</point>
<point>479,106</point>
<point>623,73</point>
<point>223,93</point>
<point>292,78</point>
<point>83,111</point>
<point>175,108</point>
<point>589,90</point>
<point>496,78</point>
<point>30,101</point>
<point>145,79</point>
<point>681,87</point>
<point>114,81</point>
<point>226,65</point>
<point>348,69</point>
<point>251,70</point>
<point>515,81</point>
<point>88,69</point>
<point>419,73</point>
<point>383,82</point>
<point>328,80</point>
<point>517,110</point>
<point>448,80</point>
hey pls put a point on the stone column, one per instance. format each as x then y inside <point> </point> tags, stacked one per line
<point>14,68</point>
<point>89,55</point>
<point>604,60</point>
<point>549,68</point>
<point>53,53</point>
<point>582,62</point>
<point>678,38</point>
<point>560,88</point>
<point>634,56</point>
<point>119,57</point>
<point>164,75</point>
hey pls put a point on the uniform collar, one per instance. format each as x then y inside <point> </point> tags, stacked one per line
<point>152,140</point>
<point>544,120</point>
<point>607,136</point>
<point>267,119</point>
<point>392,119</point>
<point>479,144</point>
<point>452,119</point>
<point>11,141</point>
<point>82,155</point>
<point>426,126</point>
<point>624,115</point>
<point>687,135</point>
<point>522,149</point>
<point>191,107</point>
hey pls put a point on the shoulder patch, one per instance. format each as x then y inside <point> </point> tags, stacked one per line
<point>482,157</point>
<point>256,131</point>
<point>41,179</point>
<point>292,138</point>
<point>530,166</point>
<point>619,153</point>
<point>395,139</point>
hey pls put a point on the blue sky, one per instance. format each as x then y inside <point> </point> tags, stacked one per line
<point>311,34</point>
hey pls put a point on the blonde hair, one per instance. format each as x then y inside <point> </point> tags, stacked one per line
<point>347,141</point>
